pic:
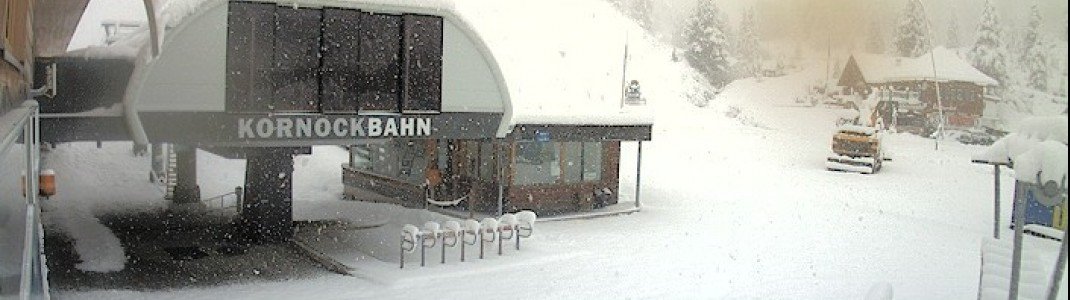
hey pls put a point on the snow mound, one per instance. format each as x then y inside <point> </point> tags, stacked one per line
<point>1032,131</point>
<point>1046,160</point>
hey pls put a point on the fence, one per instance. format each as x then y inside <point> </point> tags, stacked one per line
<point>22,271</point>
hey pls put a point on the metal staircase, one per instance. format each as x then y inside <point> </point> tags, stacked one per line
<point>164,167</point>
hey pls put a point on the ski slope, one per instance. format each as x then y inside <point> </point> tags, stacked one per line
<point>737,203</point>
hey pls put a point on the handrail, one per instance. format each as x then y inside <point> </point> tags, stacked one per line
<point>15,119</point>
<point>23,122</point>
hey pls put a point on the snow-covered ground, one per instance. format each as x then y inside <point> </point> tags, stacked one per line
<point>736,200</point>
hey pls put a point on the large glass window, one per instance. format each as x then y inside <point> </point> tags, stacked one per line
<point>297,59</point>
<point>592,161</point>
<point>422,63</point>
<point>572,161</point>
<point>341,43</point>
<point>380,62</point>
<point>536,163</point>
<point>360,157</point>
<point>487,161</point>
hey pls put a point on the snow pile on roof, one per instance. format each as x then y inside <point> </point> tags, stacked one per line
<point>948,67</point>
<point>568,71</point>
<point>1038,146</point>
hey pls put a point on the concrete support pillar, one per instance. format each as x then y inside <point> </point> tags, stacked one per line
<point>267,209</point>
<point>186,188</point>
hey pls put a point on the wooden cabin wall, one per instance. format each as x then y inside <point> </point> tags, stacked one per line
<point>472,173</point>
<point>15,48</point>
<point>17,29</point>
<point>566,197</point>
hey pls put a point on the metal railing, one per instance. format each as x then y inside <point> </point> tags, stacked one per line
<point>235,203</point>
<point>21,125</point>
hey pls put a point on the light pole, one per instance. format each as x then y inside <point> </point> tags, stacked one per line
<point>935,80</point>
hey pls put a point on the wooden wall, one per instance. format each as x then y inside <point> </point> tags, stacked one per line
<point>559,198</point>
<point>15,48</point>
<point>483,193</point>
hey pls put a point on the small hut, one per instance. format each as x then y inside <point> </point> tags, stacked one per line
<point>910,84</point>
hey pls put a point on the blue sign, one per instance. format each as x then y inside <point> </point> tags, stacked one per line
<point>542,136</point>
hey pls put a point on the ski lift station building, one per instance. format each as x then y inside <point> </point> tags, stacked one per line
<point>409,86</point>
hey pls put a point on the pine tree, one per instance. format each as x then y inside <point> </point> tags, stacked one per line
<point>750,43</point>
<point>875,39</point>
<point>1031,35</point>
<point>641,11</point>
<point>707,45</point>
<point>1036,62</point>
<point>953,32</point>
<point>1035,56</point>
<point>988,54</point>
<point>912,37</point>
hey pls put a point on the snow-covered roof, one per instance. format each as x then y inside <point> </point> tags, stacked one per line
<point>1033,133</point>
<point>565,72</point>
<point>948,67</point>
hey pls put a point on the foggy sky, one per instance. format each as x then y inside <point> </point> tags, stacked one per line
<point>813,21</point>
<point>847,21</point>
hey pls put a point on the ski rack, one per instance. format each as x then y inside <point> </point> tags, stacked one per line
<point>452,233</point>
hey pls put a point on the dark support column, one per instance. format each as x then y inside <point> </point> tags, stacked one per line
<point>1019,208</point>
<point>638,173</point>
<point>267,209</point>
<point>186,189</point>
<point>995,231</point>
<point>1060,268</point>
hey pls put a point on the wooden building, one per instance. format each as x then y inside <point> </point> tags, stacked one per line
<point>531,169</point>
<point>28,30</point>
<point>15,45</point>
<point>911,84</point>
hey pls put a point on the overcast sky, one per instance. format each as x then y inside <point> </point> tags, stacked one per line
<point>90,32</point>
<point>778,17</point>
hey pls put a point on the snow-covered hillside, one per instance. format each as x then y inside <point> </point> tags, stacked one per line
<point>737,203</point>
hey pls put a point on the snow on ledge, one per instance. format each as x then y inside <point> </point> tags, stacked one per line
<point>858,129</point>
<point>1033,131</point>
<point>1046,158</point>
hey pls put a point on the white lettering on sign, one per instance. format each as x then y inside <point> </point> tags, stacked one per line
<point>375,127</point>
<point>328,128</point>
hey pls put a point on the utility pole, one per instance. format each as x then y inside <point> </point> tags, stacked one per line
<point>936,81</point>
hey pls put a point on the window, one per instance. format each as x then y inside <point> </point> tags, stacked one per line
<point>567,162</point>
<point>423,63</point>
<point>592,161</point>
<point>572,161</point>
<point>332,60</point>
<point>340,64</point>
<point>360,157</point>
<point>297,61</point>
<point>536,163</point>
<point>380,62</point>
<point>250,53</point>
<point>487,161</point>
